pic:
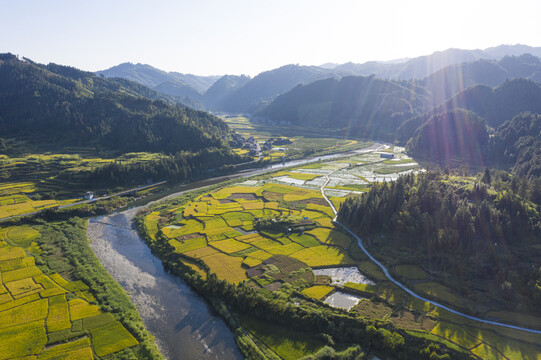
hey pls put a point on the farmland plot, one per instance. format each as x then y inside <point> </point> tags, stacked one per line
<point>35,313</point>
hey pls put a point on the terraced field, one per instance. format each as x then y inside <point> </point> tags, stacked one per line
<point>40,179</point>
<point>218,228</point>
<point>44,316</point>
<point>223,229</point>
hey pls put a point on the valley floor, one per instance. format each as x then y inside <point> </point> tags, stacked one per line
<point>220,232</point>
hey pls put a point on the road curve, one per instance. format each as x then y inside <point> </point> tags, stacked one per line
<point>402,286</point>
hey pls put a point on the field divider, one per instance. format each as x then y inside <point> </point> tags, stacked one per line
<point>399,284</point>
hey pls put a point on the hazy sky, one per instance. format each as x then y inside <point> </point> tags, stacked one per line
<point>249,36</point>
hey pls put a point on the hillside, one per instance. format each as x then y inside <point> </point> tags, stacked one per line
<point>499,104</point>
<point>361,106</point>
<point>451,80</point>
<point>214,96</point>
<point>464,231</point>
<point>54,105</point>
<point>152,77</point>
<point>263,88</point>
<point>517,145</point>
<point>451,137</point>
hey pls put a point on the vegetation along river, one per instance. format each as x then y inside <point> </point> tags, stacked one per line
<point>181,321</point>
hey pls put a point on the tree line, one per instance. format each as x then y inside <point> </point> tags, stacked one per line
<point>470,229</point>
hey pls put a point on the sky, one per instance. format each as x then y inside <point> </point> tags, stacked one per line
<point>215,37</point>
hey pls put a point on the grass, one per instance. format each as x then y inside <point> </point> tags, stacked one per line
<point>33,311</point>
<point>23,273</point>
<point>97,321</point>
<point>304,239</point>
<point>226,267</point>
<point>111,338</point>
<point>394,169</point>
<point>22,235</point>
<point>59,316</point>
<point>455,334</point>
<point>284,249</point>
<point>329,236</point>
<point>230,246</point>
<point>22,340</point>
<point>187,245</point>
<point>80,309</point>
<point>438,291</point>
<point>79,349</point>
<point>318,291</point>
<point>23,287</point>
<point>297,175</point>
<point>367,288</point>
<point>250,261</point>
<point>288,344</point>
<point>413,272</point>
<point>201,252</point>
<point>323,255</point>
<point>516,317</point>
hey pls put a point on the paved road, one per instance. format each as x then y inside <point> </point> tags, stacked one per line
<point>402,286</point>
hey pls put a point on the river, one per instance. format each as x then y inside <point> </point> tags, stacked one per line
<point>181,321</point>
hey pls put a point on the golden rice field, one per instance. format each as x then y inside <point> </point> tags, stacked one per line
<point>45,316</point>
<point>218,228</point>
<point>318,292</point>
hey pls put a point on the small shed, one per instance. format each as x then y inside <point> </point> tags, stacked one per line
<point>386,155</point>
<point>89,195</point>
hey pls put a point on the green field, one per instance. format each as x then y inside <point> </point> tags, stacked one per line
<point>220,228</point>
<point>36,315</point>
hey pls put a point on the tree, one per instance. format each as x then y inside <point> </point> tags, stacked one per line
<point>487,179</point>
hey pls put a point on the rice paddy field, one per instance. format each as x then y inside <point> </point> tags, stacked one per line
<point>304,141</point>
<point>34,182</point>
<point>43,315</point>
<point>222,229</point>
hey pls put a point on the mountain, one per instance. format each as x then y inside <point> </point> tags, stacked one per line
<point>451,137</point>
<point>453,79</point>
<point>53,105</point>
<point>501,51</point>
<point>517,145</point>
<point>360,106</point>
<point>495,105</point>
<point>422,66</point>
<point>177,89</point>
<point>263,88</point>
<point>186,88</point>
<point>214,96</point>
<point>152,77</point>
<point>499,104</point>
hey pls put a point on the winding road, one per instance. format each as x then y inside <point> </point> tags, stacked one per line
<point>402,286</point>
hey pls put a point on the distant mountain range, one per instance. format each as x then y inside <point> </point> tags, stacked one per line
<point>443,97</point>
<point>422,66</point>
<point>169,83</point>
<point>242,94</point>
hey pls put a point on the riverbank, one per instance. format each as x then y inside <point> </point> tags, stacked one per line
<point>180,320</point>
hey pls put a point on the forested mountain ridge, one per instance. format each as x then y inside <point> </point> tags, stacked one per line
<point>214,97</point>
<point>498,104</point>
<point>450,137</point>
<point>361,106</point>
<point>263,88</point>
<point>517,145</point>
<point>451,80</point>
<point>59,105</point>
<point>469,228</point>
